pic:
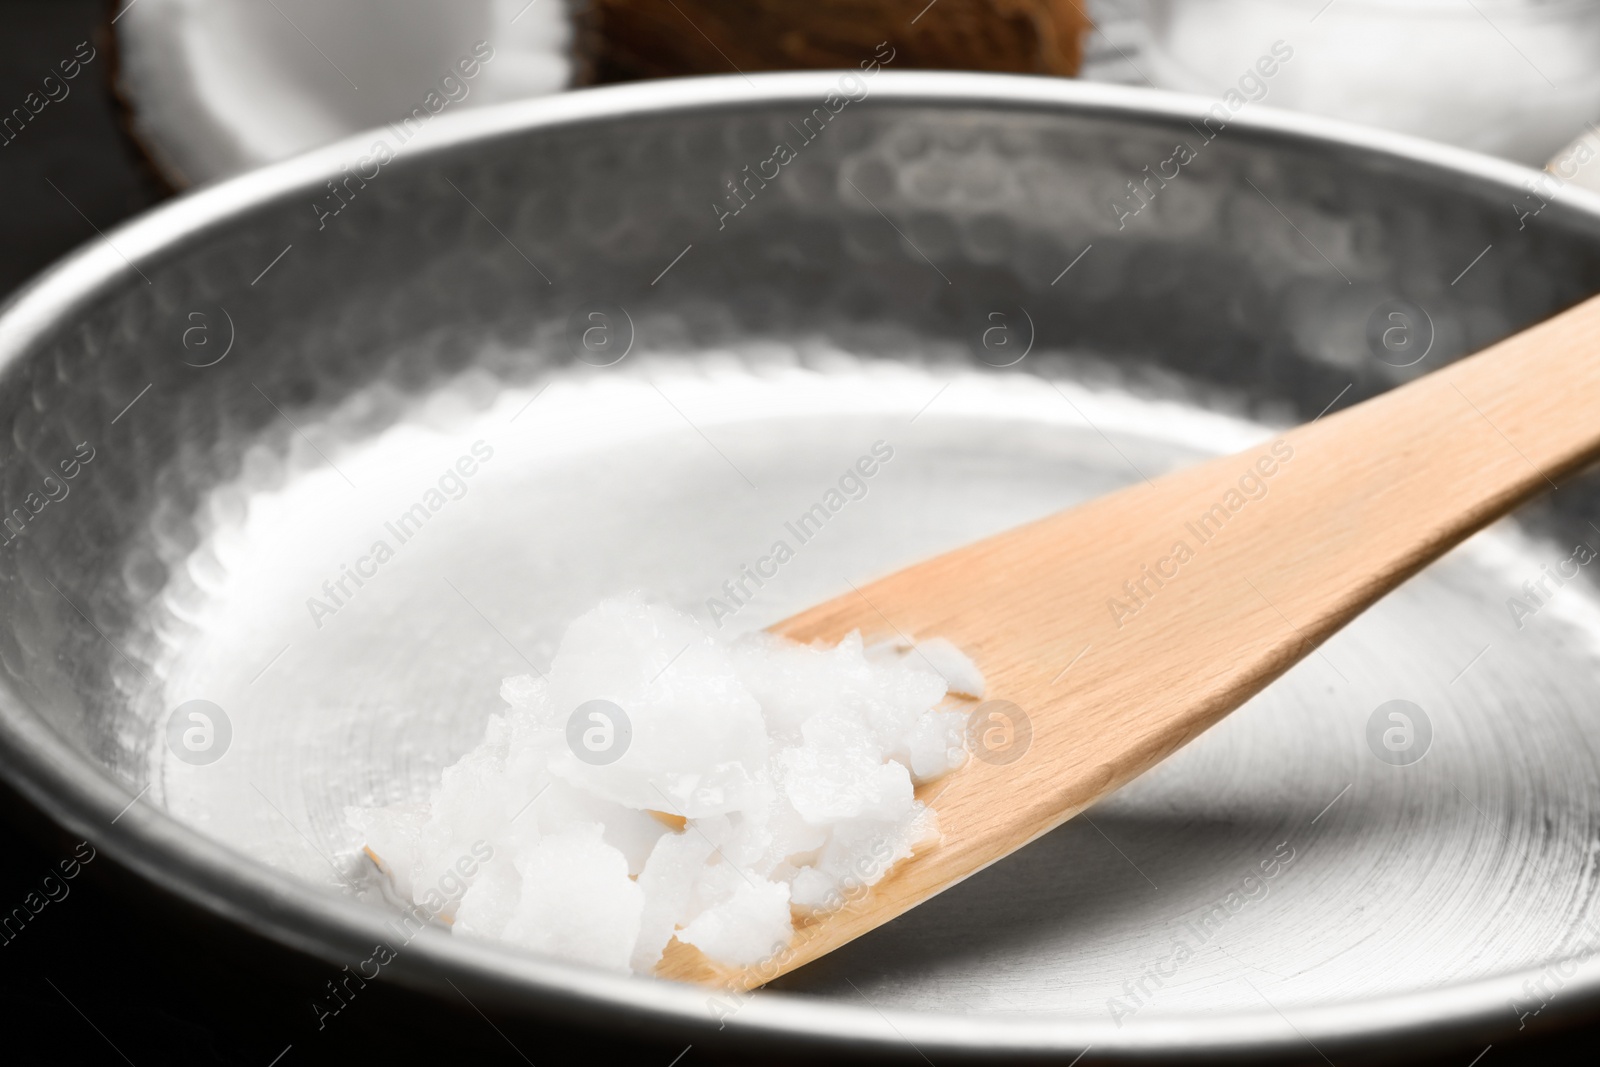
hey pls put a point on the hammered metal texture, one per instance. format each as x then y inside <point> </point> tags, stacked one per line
<point>446,286</point>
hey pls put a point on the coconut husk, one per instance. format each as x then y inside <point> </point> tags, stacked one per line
<point>664,38</point>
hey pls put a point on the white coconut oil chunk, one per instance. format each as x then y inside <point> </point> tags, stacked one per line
<point>656,783</point>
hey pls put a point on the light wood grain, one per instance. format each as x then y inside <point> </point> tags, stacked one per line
<point>1356,503</point>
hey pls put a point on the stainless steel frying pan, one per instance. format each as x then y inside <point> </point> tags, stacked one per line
<point>671,335</point>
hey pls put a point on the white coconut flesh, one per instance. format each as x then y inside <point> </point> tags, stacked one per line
<point>219,86</point>
<point>743,784</point>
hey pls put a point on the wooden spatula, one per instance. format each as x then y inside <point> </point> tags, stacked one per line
<point>1193,592</point>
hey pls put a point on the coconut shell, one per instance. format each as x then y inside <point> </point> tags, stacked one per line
<point>665,38</point>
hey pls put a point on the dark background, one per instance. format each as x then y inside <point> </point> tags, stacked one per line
<point>114,973</point>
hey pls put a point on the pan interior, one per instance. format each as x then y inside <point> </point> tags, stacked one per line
<point>1278,857</point>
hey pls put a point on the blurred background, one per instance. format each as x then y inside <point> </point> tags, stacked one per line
<point>109,108</point>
